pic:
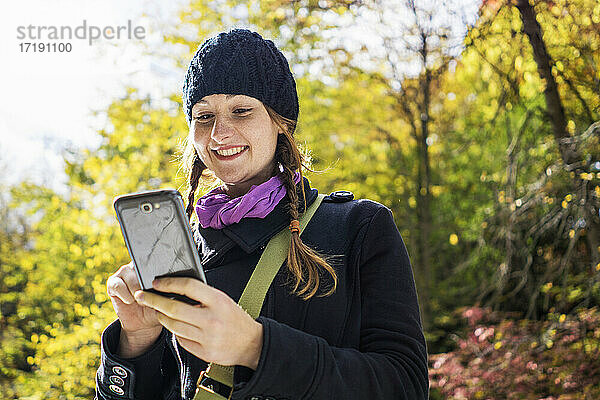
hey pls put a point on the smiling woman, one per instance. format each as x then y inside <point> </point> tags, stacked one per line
<point>329,315</point>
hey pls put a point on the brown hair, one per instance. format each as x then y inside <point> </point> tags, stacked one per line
<point>305,265</point>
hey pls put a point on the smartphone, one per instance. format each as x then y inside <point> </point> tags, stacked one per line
<point>158,237</point>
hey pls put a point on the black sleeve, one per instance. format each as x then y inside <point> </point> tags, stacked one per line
<point>152,375</point>
<point>391,362</point>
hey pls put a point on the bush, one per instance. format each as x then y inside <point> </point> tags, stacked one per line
<point>502,358</point>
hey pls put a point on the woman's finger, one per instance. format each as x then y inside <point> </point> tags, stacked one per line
<point>128,274</point>
<point>189,287</point>
<point>191,346</point>
<point>116,287</point>
<point>171,308</point>
<point>180,328</point>
<point>117,301</point>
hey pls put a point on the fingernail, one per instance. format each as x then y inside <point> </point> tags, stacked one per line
<point>139,296</point>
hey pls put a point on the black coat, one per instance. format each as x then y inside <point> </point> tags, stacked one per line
<point>363,342</point>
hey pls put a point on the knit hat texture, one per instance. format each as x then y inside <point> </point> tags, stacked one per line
<point>241,62</point>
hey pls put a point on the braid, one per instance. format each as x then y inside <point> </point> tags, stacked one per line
<point>194,177</point>
<point>299,254</point>
<point>287,164</point>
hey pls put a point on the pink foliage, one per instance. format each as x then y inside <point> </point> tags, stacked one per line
<point>500,358</point>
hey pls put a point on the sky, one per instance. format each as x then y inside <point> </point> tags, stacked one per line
<point>47,98</point>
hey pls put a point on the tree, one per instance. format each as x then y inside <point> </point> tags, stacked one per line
<point>568,147</point>
<point>535,208</point>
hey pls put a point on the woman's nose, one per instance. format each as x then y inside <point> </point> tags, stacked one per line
<point>221,130</point>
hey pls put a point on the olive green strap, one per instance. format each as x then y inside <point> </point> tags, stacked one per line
<point>253,297</point>
<point>275,253</point>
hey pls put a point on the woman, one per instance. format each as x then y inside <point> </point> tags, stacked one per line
<point>341,318</point>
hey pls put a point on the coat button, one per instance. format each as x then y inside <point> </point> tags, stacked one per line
<point>341,196</point>
<point>116,389</point>
<point>120,371</point>
<point>116,380</point>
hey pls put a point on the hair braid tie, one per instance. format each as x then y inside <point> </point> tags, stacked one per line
<point>295,226</point>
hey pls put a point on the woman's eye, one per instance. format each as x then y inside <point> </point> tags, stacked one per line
<point>201,117</point>
<point>206,117</point>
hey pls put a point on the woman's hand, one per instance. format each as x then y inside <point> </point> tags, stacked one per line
<point>139,324</point>
<point>218,330</point>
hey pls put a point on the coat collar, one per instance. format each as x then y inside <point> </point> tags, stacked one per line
<point>249,233</point>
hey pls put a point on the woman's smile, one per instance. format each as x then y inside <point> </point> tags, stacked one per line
<point>230,153</point>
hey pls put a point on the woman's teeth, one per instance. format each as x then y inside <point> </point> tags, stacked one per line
<point>230,152</point>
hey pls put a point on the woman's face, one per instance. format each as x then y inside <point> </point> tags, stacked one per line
<point>236,139</point>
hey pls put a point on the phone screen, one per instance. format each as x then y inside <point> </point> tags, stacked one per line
<point>157,238</point>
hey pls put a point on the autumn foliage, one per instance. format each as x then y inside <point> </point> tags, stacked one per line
<point>499,356</point>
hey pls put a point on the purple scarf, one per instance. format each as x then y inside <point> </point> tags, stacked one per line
<point>216,209</point>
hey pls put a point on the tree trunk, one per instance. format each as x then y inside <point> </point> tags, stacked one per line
<point>567,146</point>
<point>511,191</point>
<point>423,194</point>
<point>555,109</point>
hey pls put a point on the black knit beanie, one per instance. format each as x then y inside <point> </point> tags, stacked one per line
<point>241,62</point>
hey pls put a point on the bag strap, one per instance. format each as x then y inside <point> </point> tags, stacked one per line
<point>274,255</point>
<point>252,300</point>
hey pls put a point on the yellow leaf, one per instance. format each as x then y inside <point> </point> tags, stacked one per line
<point>76,250</point>
<point>453,239</point>
<point>412,202</point>
<point>547,287</point>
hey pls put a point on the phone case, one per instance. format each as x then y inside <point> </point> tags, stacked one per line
<point>158,237</point>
